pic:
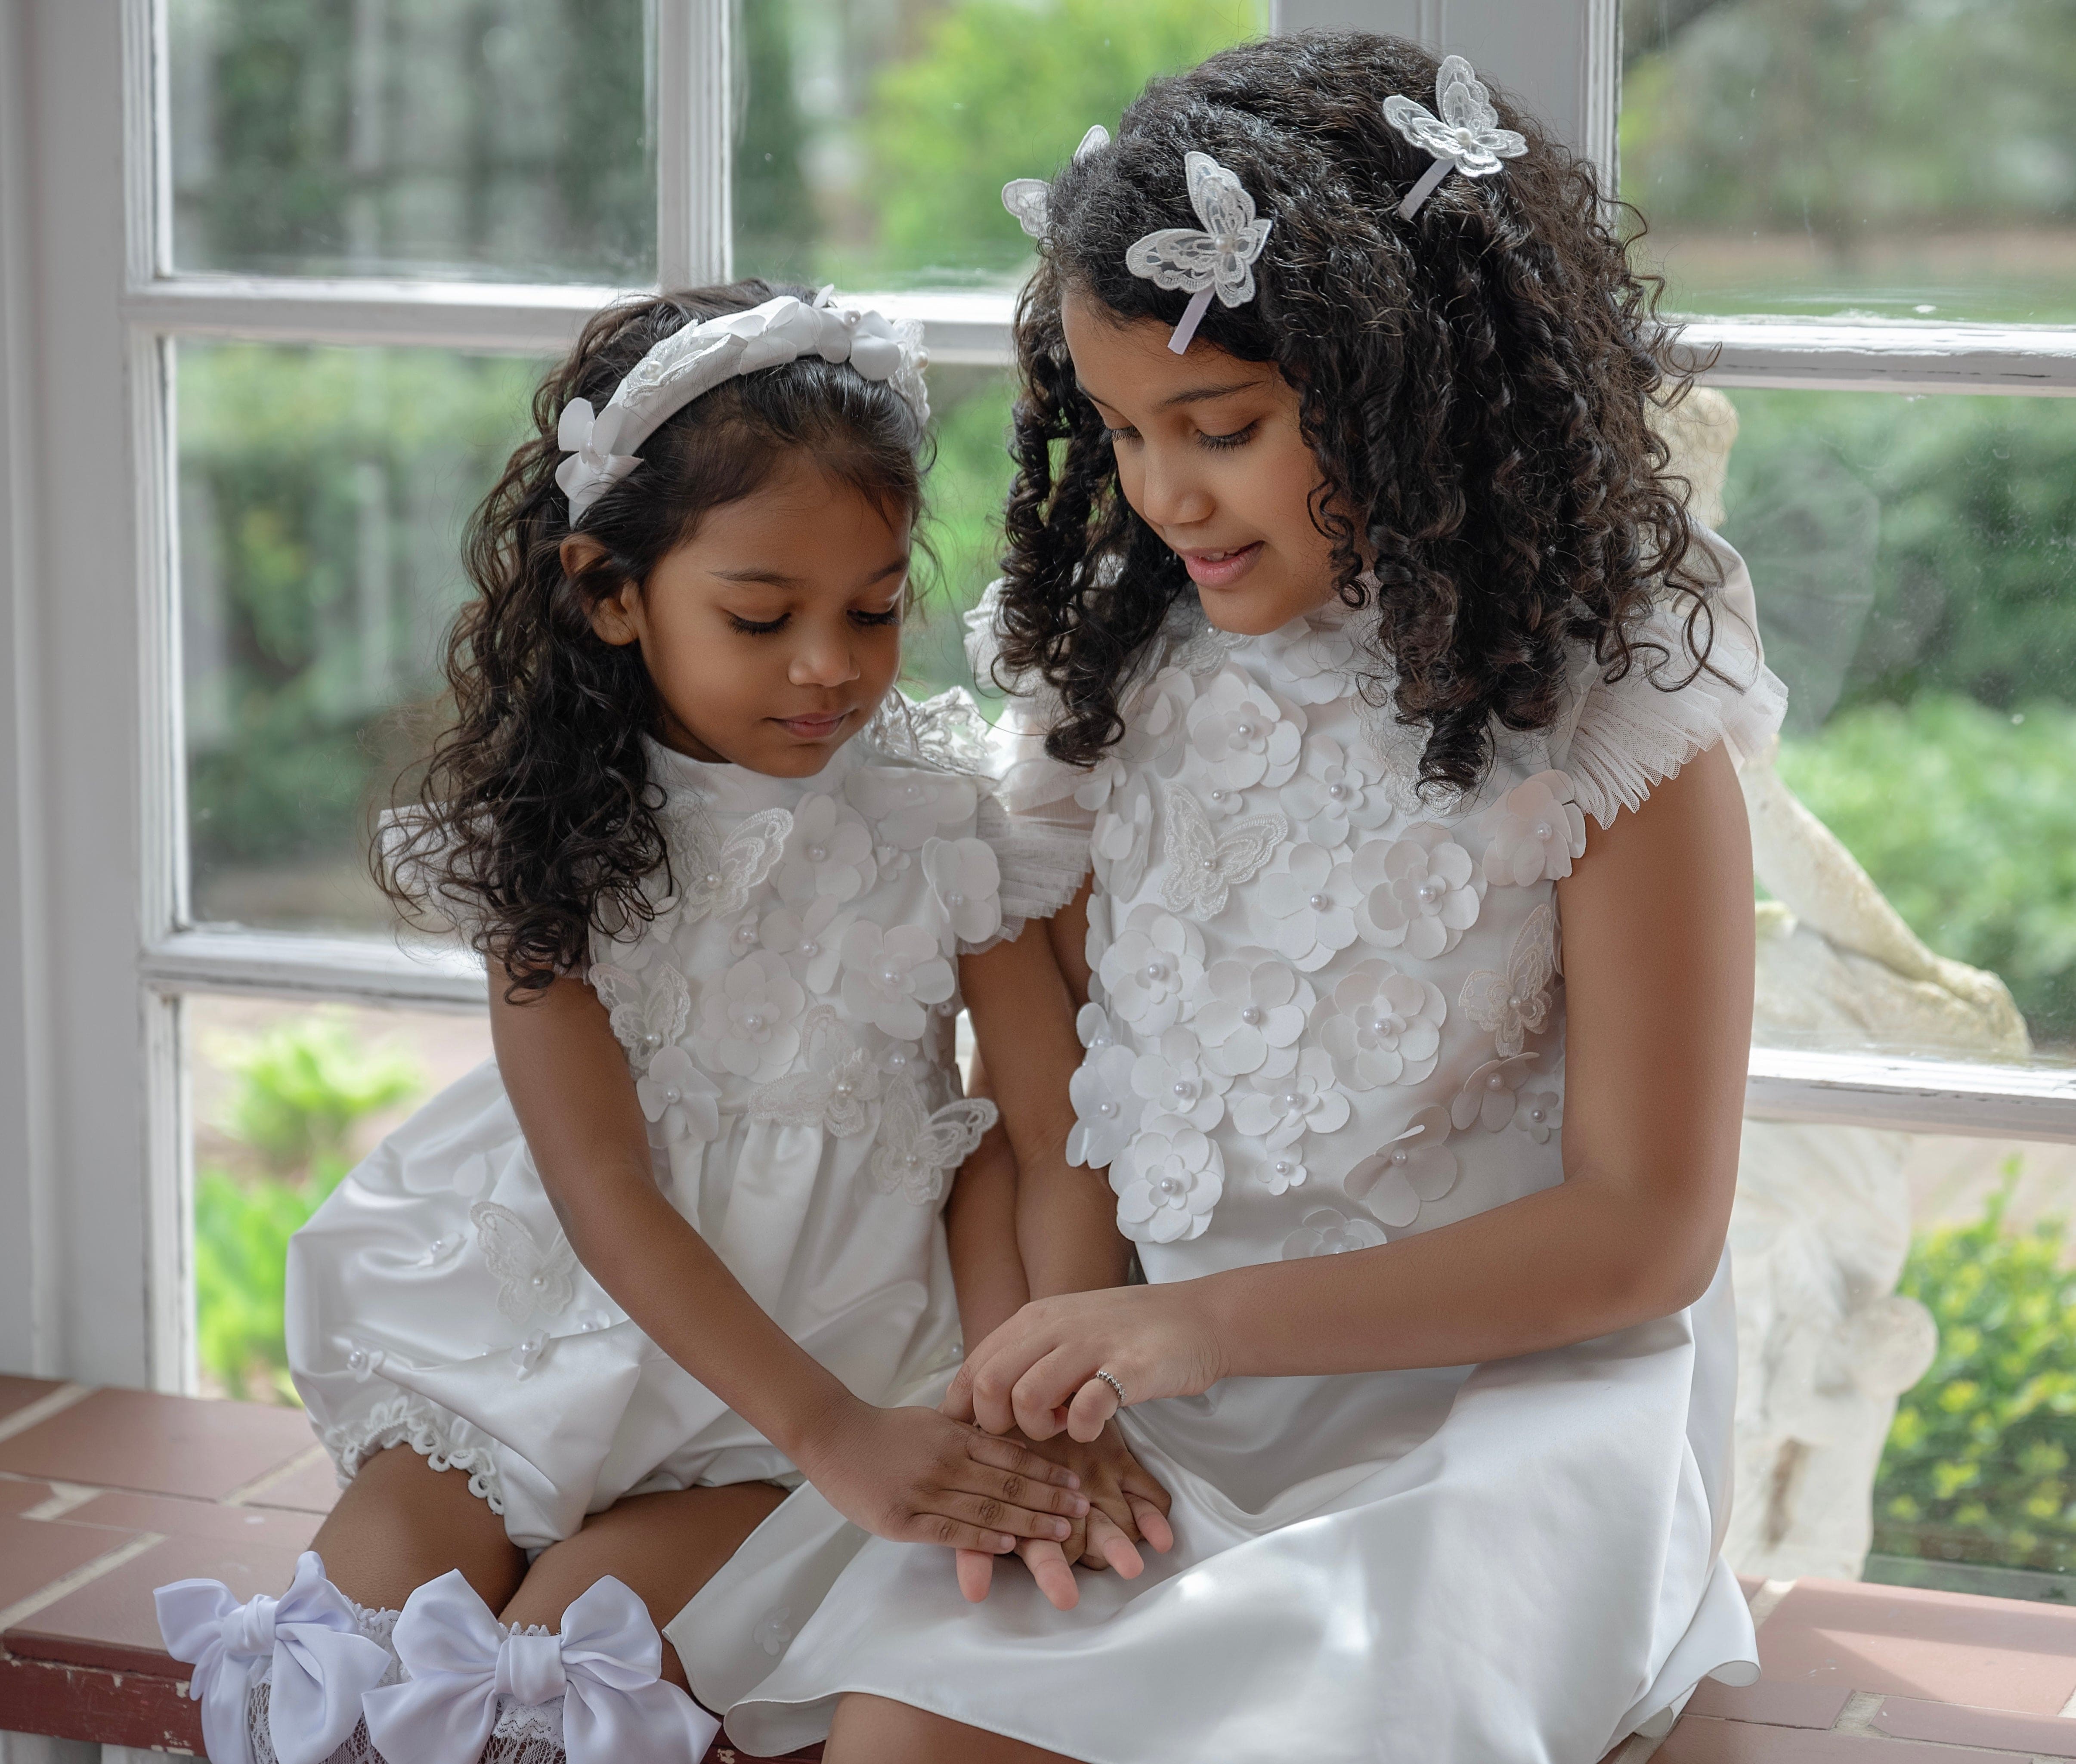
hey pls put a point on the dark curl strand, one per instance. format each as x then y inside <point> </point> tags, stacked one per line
<point>534,822</point>
<point>1475,383</point>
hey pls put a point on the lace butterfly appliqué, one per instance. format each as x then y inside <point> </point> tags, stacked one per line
<point>1513,1005</point>
<point>1219,260</point>
<point>1465,138</point>
<point>837,1091</point>
<point>722,885</point>
<point>529,1278</point>
<point>648,1010</point>
<point>1026,197</point>
<point>1204,866</point>
<point>916,1147</point>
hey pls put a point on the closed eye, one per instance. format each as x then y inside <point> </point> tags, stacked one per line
<point>1116,435</point>
<point>758,627</point>
<point>1239,438</point>
<point>886,615</point>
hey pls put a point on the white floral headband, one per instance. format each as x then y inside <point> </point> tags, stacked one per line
<point>601,445</point>
<point>1466,138</point>
<point>1026,197</point>
<point>1219,260</point>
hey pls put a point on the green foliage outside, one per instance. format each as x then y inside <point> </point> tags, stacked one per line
<point>1978,1466</point>
<point>301,1091</point>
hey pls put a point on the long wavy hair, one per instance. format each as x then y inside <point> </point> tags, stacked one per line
<point>1474,382</point>
<point>534,821</point>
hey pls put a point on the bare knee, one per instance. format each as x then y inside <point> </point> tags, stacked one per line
<point>401,1523</point>
<point>876,1730</point>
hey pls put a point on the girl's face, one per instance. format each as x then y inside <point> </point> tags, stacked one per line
<point>773,633</point>
<point>1210,454</point>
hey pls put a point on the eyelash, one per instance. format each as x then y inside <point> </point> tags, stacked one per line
<point>1239,438</point>
<point>769,627</point>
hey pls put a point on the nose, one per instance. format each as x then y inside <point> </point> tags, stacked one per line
<point>1171,493</point>
<point>825,659</point>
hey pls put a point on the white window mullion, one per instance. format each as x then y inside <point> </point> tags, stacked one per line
<point>694,141</point>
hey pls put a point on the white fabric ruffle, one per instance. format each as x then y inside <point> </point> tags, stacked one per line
<point>439,1436</point>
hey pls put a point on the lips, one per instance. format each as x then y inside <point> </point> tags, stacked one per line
<point>817,727</point>
<point>1220,569</point>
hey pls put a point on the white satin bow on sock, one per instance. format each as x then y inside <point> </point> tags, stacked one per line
<point>320,1663</point>
<point>605,1665</point>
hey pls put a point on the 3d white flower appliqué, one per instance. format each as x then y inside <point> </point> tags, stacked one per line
<point>889,976</point>
<point>904,808</point>
<point>724,886</point>
<point>965,885</point>
<point>1416,1168</point>
<point>1219,260</point>
<point>647,1011</point>
<point>1487,1097</point>
<point>680,1101</point>
<point>1167,1184</point>
<point>810,940</point>
<point>1335,794</point>
<point>1513,1004</point>
<point>917,1147</point>
<point>1534,833</point>
<point>1281,1172</point>
<point>1311,662</point>
<point>1381,1026</point>
<point>1205,862</point>
<point>1538,1111</point>
<point>1156,961</point>
<point>1279,1110</point>
<point>530,1281</point>
<point>1026,197</point>
<point>1179,1088</point>
<point>1419,893</point>
<point>1123,839</point>
<point>837,1091</point>
<point>1106,1109</point>
<point>749,1024</point>
<point>1465,138</point>
<point>830,852</point>
<point>1253,1014</point>
<point>1328,1231</point>
<point>1241,736</point>
<point>1313,900</point>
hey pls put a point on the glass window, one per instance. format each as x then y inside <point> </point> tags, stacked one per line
<point>1875,158</point>
<point>322,493</point>
<point>970,412</point>
<point>501,139</point>
<point>1915,560</point>
<point>873,139</point>
<point>286,1098</point>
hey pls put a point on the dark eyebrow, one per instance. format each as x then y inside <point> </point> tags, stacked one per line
<point>778,578</point>
<point>1198,395</point>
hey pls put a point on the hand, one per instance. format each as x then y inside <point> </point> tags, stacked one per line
<point>917,1476</point>
<point>1127,1505</point>
<point>1037,1372</point>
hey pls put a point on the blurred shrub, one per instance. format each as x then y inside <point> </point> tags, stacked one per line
<point>1977,1464</point>
<point>301,1091</point>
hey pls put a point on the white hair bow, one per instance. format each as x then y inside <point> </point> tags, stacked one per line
<point>307,1639</point>
<point>601,444</point>
<point>1219,260</point>
<point>1026,197</point>
<point>605,1665</point>
<point>1466,138</point>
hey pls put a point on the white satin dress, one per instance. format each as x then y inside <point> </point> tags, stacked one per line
<point>788,1021</point>
<point>1330,1015</point>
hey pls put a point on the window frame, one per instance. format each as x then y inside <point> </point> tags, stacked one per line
<point>94,1114</point>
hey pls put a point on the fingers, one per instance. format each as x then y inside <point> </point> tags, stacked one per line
<point>1109,1545</point>
<point>953,1534</point>
<point>989,1513</point>
<point>1006,1455</point>
<point>1152,1522</point>
<point>1090,1411</point>
<point>1049,1568</point>
<point>976,1573</point>
<point>958,1399</point>
<point>1038,1399</point>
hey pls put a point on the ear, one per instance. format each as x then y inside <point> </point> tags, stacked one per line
<point>617,617</point>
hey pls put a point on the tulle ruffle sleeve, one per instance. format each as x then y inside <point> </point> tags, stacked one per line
<point>1626,736</point>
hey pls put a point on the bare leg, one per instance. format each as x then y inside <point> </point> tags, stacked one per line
<point>873,1730</point>
<point>664,1547</point>
<point>401,1523</point>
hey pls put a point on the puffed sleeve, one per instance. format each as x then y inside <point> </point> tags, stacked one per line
<point>1624,737</point>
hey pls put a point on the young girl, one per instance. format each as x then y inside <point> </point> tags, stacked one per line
<point>572,1331</point>
<point>1344,585</point>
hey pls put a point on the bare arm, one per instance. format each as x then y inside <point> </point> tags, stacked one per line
<point>1022,1016</point>
<point>1658,959</point>
<point>980,1225</point>
<point>898,1472</point>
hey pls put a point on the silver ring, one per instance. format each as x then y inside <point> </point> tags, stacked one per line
<point>1121,1401</point>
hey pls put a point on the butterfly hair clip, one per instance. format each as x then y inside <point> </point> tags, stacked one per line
<point>1025,197</point>
<point>1465,138</point>
<point>1219,260</point>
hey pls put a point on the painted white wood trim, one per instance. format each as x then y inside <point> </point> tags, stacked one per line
<point>694,143</point>
<point>167,1201</point>
<point>373,970</point>
<point>1912,1096</point>
<point>2034,360</point>
<point>520,318</point>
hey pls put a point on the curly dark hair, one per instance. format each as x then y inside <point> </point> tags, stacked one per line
<point>534,822</point>
<point>1473,382</point>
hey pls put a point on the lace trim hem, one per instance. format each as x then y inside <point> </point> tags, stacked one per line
<point>1042,863</point>
<point>437,1434</point>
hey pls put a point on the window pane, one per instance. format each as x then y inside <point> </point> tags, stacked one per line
<point>1883,158</point>
<point>286,1099</point>
<point>1915,560</point>
<point>322,497</point>
<point>874,141</point>
<point>504,138</point>
<point>969,411</point>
